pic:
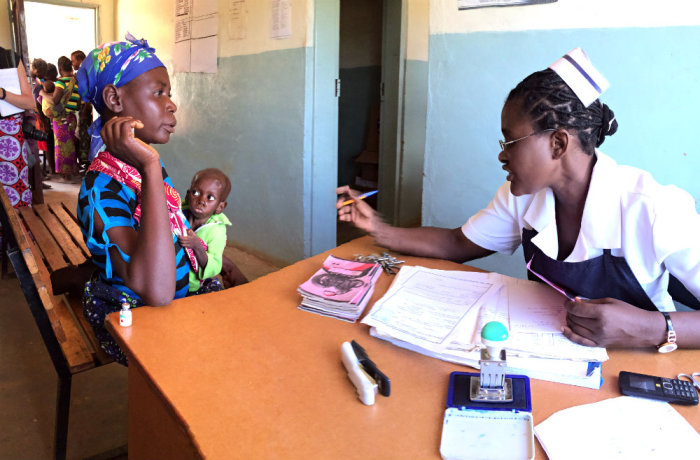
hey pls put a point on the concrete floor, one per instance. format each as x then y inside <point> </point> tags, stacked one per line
<point>28,381</point>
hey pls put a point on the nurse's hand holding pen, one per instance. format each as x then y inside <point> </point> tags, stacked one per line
<point>359,213</point>
<point>435,242</point>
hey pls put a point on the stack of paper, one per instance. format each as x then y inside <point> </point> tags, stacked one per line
<point>340,289</point>
<point>622,428</point>
<point>441,313</point>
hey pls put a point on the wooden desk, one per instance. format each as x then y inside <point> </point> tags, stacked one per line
<point>244,374</point>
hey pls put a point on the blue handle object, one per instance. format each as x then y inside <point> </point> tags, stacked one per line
<point>494,331</point>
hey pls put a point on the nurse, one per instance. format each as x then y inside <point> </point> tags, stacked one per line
<point>607,232</point>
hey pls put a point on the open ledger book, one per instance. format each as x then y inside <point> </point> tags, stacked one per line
<point>440,313</point>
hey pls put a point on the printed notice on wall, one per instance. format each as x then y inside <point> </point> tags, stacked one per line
<point>196,29</point>
<point>281,18</point>
<point>469,4</point>
<point>237,20</point>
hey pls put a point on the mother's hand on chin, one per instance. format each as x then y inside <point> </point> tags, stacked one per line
<point>119,139</point>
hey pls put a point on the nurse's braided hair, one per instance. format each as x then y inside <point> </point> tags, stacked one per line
<point>550,103</point>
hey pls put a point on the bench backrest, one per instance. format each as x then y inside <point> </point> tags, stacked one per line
<point>46,238</point>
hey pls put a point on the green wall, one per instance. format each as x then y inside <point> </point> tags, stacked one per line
<point>248,120</point>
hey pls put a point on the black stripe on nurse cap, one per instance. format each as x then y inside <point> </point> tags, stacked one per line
<point>579,74</point>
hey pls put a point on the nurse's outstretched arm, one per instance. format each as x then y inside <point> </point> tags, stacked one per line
<point>438,243</point>
<point>613,323</point>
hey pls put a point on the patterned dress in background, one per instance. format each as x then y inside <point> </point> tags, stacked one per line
<point>65,142</point>
<point>64,131</point>
<point>14,173</point>
<point>84,122</point>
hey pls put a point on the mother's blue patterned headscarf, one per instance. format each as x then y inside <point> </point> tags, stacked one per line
<point>115,63</point>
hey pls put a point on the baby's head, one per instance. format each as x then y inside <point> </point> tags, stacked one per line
<point>127,79</point>
<point>207,193</point>
<point>51,72</point>
<point>48,86</point>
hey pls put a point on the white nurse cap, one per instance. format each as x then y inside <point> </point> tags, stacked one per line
<point>577,71</point>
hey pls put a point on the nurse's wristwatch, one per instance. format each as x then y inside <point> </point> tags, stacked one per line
<point>670,344</point>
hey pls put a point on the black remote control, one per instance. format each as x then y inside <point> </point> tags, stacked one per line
<point>674,391</point>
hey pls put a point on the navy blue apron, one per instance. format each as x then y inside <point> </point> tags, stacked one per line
<point>602,276</point>
<point>681,294</point>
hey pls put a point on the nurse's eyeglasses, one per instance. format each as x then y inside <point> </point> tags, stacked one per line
<point>503,144</point>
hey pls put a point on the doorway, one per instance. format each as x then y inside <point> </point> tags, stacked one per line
<point>77,26</point>
<point>360,72</point>
<point>370,142</point>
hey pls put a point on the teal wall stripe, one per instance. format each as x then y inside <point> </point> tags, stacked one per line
<point>248,120</point>
<point>322,159</point>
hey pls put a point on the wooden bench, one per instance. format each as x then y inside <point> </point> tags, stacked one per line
<point>46,249</point>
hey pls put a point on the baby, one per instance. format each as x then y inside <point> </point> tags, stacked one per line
<point>47,89</point>
<point>204,204</point>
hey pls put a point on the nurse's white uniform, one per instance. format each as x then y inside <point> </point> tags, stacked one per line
<point>655,228</point>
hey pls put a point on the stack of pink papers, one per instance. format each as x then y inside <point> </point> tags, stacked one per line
<point>340,289</point>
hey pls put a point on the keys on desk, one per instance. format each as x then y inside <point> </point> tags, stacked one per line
<point>386,260</point>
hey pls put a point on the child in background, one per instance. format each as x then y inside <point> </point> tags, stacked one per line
<point>205,202</point>
<point>47,90</point>
<point>130,214</point>
<point>47,87</point>
<point>39,70</point>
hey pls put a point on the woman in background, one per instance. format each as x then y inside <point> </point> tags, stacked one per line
<point>14,173</point>
<point>65,124</point>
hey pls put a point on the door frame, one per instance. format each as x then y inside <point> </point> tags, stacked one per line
<point>23,28</point>
<point>321,164</point>
<point>394,30</point>
<point>321,175</point>
<point>18,31</point>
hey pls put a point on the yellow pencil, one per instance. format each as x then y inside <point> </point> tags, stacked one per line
<point>361,197</point>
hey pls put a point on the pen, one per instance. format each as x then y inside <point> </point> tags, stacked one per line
<point>361,197</point>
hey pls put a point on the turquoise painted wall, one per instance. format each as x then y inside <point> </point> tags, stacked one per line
<point>654,93</point>
<point>248,120</point>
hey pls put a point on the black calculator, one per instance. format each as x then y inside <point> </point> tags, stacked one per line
<point>674,391</point>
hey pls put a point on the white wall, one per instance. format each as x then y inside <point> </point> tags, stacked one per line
<point>418,30</point>
<point>155,21</point>
<point>564,14</point>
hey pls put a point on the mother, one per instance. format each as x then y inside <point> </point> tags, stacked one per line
<point>14,172</point>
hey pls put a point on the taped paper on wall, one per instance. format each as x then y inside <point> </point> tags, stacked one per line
<point>196,31</point>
